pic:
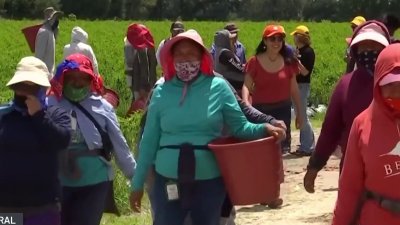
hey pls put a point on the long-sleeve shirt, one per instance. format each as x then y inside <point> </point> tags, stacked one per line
<point>104,114</point>
<point>209,105</point>
<point>352,95</point>
<point>240,51</point>
<point>29,148</point>
<point>45,47</point>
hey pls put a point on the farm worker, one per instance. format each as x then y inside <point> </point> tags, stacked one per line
<point>46,39</point>
<point>306,56</point>
<point>271,79</point>
<point>239,49</point>
<point>79,39</point>
<point>177,27</point>
<point>392,23</point>
<point>140,59</point>
<point>357,21</point>
<point>351,96</point>
<point>188,180</point>
<point>32,135</point>
<point>225,61</point>
<point>86,174</point>
<point>367,186</point>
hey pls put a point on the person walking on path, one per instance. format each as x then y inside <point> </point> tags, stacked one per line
<point>368,184</point>
<point>45,49</point>
<point>271,79</point>
<point>79,44</point>
<point>187,178</point>
<point>87,174</point>
<point>306,55</point>
<point>32,134</point>
<point>351,96</point>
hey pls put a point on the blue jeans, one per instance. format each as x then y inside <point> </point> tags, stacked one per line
<point>84,205</point>
<point>307,141</point>
<point>207,199</point>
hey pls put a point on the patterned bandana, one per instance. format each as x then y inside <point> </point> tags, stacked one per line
<point>187,71</point>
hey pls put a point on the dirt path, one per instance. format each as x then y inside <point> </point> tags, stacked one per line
<point>299,207</point>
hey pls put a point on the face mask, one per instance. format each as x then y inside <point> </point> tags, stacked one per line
<point>75,94</point>
<point>367,60</point>
<point>187,71</point>
<point>19,101</point>
<point>393,103</point>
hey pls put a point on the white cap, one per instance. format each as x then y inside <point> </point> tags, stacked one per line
<point>371,32</point>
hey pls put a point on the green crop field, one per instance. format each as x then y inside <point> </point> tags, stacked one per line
<point>106,38</point>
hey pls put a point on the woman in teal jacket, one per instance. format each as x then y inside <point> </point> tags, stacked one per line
<point>185,113</point>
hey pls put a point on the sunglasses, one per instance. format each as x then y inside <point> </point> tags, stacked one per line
<point>276,39</point>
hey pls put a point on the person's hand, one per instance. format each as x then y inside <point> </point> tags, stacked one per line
<point>277,132</point>
<point>135,200</point>
<point>33,104</point>
<point>281,124</point>
<point>309,180</point>
<point>299,123</point>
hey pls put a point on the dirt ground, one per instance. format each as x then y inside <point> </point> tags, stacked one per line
<point>299,207</point>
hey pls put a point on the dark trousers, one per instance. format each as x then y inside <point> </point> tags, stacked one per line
<point>84,205</point>
<point>281,111</point>
<point>206,202</point>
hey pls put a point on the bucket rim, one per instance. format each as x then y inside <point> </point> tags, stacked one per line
<point>266,139</point>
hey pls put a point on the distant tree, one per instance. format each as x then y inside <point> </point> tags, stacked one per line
<point>28,8</point>
<point>87,9</point>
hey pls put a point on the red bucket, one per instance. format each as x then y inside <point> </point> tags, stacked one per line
<point>252,171</point>
<point>30,35</point>
<point>111,96</point>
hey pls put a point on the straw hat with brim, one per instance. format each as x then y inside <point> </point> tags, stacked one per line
<point>231,27</point>
<point>371,32</point>
<point>31,69</point>
<point>50,13</point>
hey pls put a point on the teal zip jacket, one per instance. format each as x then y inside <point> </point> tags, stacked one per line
<point>209,105</point>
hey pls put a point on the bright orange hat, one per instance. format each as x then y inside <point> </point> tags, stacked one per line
<point>271,30</point>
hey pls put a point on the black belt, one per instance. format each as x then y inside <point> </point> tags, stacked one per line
<point>391,205</point>
<point>186,170</point>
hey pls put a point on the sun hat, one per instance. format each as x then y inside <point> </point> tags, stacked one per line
<point>31,69</point>
<point>177,26</point>
<point>358,20</point>
<point>301,30</point>
<point>166,54</point>
<point>271,30</point>
<point>231,27</point>
<point>139,36</point>
<point>372,32</point>
<point>50,13</point>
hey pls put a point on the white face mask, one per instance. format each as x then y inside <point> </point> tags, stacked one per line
<point>187,71</point>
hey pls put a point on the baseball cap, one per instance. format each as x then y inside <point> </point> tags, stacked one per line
<point>358,20</point>
<point>271,30</point>
<point>301,30</point>
<point>393,76</point>
<point>371,32</point>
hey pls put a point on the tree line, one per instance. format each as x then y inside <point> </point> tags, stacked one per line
<point>257,10</point>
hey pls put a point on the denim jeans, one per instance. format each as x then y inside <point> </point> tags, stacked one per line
<point>84,205</point>
<point>307,141</point>
<point>207,199</point>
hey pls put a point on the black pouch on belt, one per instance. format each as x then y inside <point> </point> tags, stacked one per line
<point>186,170</point>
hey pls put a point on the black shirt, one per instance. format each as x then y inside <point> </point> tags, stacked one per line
<point>307,58</point>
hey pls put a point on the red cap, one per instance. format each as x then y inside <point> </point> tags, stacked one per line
<point>271,30</point>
